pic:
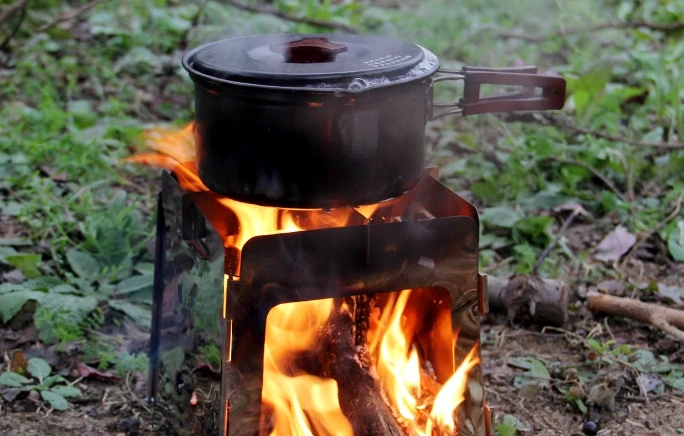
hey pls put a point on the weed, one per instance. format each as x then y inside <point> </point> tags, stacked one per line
<point>54,389</point>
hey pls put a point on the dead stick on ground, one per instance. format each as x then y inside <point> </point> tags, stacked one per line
<point>545,301</point>
<point>288,17</point>
<point>10,10</point>
<point>69,15</point>
<point>665,318</point>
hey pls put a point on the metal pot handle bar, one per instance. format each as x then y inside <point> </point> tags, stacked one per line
<point>552,91</point>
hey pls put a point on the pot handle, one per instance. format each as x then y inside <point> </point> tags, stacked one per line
<point>552,91</point>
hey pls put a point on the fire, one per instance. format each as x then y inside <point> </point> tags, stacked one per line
<point>398,366</point>
<point>301,403</point>
<point>450,396</point>
<point>297,398</point>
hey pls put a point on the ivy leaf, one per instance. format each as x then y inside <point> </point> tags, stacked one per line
<point>66,391</point>
<point>83,264</point>
<point>39,368</point>
<point>56,401</point>
<point>27,263</point>
<point>13,380</point>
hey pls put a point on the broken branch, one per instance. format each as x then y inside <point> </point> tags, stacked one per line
<point>664,318</point>
<point>280,14</point>
<point>545,301</point>
<point>69,15</point>
<point>16,6</point>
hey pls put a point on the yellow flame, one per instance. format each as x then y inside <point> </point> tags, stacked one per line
<point>299,401</point>
<point>400,373</point>
<point>451,395</point>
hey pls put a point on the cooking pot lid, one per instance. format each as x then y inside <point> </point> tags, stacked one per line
<point>303,60</point>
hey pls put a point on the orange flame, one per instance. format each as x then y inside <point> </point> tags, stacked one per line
<point>299,400</point>
<point>399,368</point>
<point>303,404</point>
<point>450,396</point>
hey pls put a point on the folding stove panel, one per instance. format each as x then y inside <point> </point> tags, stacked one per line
<point>426,240</point>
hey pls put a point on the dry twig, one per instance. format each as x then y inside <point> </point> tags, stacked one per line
<point>280,14</point>
<point>69,15</point>
<point>18,6</point>
<point>14,7</point>
<point>665,318</point>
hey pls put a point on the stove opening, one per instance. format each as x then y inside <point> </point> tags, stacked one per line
<point>348,365</point>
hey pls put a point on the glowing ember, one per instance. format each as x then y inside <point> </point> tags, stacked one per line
<point>193,399</point>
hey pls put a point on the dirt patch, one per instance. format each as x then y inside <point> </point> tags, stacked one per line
<point>547,412</point>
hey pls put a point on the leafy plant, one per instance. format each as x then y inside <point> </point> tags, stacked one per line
<point>54,389</point>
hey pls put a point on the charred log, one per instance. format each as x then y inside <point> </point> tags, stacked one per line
<point>359,395</point>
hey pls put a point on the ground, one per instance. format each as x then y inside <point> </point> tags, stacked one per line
<point>83,80</point>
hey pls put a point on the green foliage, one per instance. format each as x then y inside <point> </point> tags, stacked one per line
<point>54,389</point>
<point>509,426</point>
<point>38,368</point>
<point>130,363</point>
<point>212,354</point>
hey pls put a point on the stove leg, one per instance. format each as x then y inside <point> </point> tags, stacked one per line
<point>157,301</point>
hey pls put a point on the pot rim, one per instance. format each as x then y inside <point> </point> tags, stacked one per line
<point>425,68</point>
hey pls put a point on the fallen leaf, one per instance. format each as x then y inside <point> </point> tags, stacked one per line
<point>18,363</point>
<point>647,383</point>
<point>613,287</point>
<point>14,276</point>
<point>614,245</point>
<point>673,293</point>
<point>86,371</point>
<point>9,394</point>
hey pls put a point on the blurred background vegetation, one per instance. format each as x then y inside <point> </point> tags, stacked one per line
<point>80,81</point>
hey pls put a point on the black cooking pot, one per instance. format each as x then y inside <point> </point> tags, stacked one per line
<point>324,121</point>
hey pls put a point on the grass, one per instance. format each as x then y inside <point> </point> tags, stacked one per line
<point>77,95</point>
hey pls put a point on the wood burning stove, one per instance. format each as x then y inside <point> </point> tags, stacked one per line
<point>425,241</point>
<point>285,313</point>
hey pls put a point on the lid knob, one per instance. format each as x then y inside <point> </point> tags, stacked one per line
<point>309,50</point>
